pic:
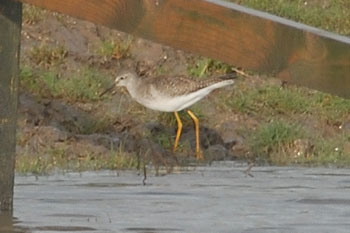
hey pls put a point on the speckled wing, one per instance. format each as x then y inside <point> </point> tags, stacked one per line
<point>182,85</point>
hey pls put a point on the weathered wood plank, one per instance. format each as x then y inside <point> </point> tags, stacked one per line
<point>10,35</point>
<point>228,32</point>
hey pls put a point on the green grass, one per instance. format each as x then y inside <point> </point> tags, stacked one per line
<point>85,85</point>
<point>48,56</point>
<point>308,116</point>
<point>165,140</point>
<point>272,99</point>
<point>32,14</point>
<point>204,67</point>
<point>269,141</point>
<point>52,159</point>
<point>331,15</point>
<point>269,100</point>
<point>276,143</point>
<point>107,48</point>
<point>284,135</point>
<point>332,151</point>
<point>115,48</point>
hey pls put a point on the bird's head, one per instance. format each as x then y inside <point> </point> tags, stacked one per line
<point>123,79</point>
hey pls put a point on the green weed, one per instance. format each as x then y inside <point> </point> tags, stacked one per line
<point>269,142</point>
<point>115,48</point>
<point>47,56</point>
<point>207,66</point>
<point>114,160</point>
<point>50,160</point>
<point>165,140</point>
<point>107,48</point>
<point>332,151</point>
<point>32,14</point>
<point>269,99</point>
<point>85,85</point>
<point>272,99</point>
<point>27,77</point>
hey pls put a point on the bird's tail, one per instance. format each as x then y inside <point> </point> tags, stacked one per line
<point>226,79</point>
<point>221,81</point>
<point>228,76</point>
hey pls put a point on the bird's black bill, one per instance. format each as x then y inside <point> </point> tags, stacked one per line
<point>107,90</point>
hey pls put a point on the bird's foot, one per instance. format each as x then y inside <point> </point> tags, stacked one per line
<point>199,155</point>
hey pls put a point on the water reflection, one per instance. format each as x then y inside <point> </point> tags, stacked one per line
<point>8,223</point>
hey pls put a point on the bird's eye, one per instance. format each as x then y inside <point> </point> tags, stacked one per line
<point>122,77</point>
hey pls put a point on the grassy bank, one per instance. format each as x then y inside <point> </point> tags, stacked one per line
<point>272,123</point>
<point>330,15</point>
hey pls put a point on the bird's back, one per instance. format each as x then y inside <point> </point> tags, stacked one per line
<point>183,85</point>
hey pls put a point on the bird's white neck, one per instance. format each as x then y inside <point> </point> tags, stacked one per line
<point>132,86</point>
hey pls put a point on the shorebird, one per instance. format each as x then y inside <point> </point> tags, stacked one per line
<point>171,94</point>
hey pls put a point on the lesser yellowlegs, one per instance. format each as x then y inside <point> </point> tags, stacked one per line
<point>171,94</point>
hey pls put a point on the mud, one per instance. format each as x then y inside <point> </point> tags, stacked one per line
<point>219,198</point>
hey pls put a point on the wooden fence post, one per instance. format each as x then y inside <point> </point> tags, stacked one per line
<point>10,36</point>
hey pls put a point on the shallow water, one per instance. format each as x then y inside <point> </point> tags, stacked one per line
<point>220,198</point>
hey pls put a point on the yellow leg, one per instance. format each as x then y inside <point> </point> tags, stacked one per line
<point>179,130</point>
<point>199,153</point>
